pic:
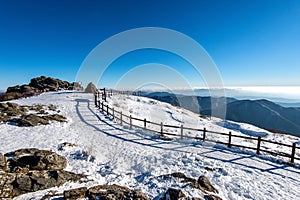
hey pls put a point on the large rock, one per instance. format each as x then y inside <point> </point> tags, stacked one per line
<point>75,193</point>
<point>35,159</point>
<point>13,89</point>
<point>206,185</point>
<point>115,192</point>
<point>91,88</point>
<point>32,170</point>
<point>40,180</point>
<point>37,86</point>
<point>173,194</point>
<point>202,183</point>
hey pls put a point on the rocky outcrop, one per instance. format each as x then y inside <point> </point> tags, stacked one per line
<point>13,113</point>
<point>37,86</point>
<point>35,159</point>
<point>202,184</point>
<point>91,88</point>
<point>114,192</point>
<point>30,170</point>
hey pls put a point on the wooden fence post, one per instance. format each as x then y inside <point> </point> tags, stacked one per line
<point>96,100</point>
<point>102,106</point>
<point>181,131</point>
<point>107,110</point>
<point>130,119</point>
<point>204,134</point>
<point>113,113</point>
<point>121,118</point>
<point>104,94</point>
<point>99,104</point>
<point>161,129</point>
<point>293,153</point>
<point>145,123</point>
<point>229,140</point>
<point>258,145</point>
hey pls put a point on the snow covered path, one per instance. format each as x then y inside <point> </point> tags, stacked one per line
<point>110,153</point>
<point>236,175</point>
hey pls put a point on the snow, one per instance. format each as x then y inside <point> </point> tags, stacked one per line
<point>110,153</point>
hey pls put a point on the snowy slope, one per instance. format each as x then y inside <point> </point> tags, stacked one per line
<point>110,153</point>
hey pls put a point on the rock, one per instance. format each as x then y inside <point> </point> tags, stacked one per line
<point>115,192</point>
<point>173,194</point>
<point>179,175</point>
<point>36,159</point>
<point>76,193</point>
<point>6,185</point>
<point>3,163</point>
<point>36,86</point>
<point>212,197</point>
<point>206,185</point>
<point>63,145</point>
<point>32,170</point>
<point>13,105</point>
<point>40,180</point>
<point>12,112</point>
<point>55,117</point>
<point>13,89</point>
<point>26,88</point>
<point>30,120</point>
<point>52,107</point>
<point>3,106</point>
<point>91,88</point>
<point>75,86</point>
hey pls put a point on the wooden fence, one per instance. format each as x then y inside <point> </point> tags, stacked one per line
<point>130,121</point>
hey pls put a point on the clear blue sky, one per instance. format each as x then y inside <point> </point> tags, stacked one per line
<point>253,42</point>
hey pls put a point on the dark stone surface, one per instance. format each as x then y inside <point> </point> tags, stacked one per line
<point>75,193</point>
<point>206,185</point>
<point>35,159</point>
<point>30,170</point>
<point>37,86</point>
<point>173,194</point>
<point>115,192</point>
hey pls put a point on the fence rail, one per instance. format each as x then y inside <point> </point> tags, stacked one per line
<point>129,120</point>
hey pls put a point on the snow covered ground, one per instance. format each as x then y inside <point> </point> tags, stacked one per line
<point>110,153</point>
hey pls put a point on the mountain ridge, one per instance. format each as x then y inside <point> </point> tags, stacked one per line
<point>262,113</point>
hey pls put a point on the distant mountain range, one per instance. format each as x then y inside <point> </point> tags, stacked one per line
<point>262,113</point>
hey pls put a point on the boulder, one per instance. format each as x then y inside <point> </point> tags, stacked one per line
<point>41,180</point>
<point>173,194</point>
<point>91,88</point>
<point>3,106</point>
<point>55,117</point>
<point>30,120</point>
<point>206,185</point>
<point>32,170</point>
<point>26,88</point>
<point>13,89</point>
<point>35,159</point>
<point>75,193</point>
<point>114,192</point>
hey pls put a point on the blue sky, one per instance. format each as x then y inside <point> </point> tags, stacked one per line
<point>252,42</point>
